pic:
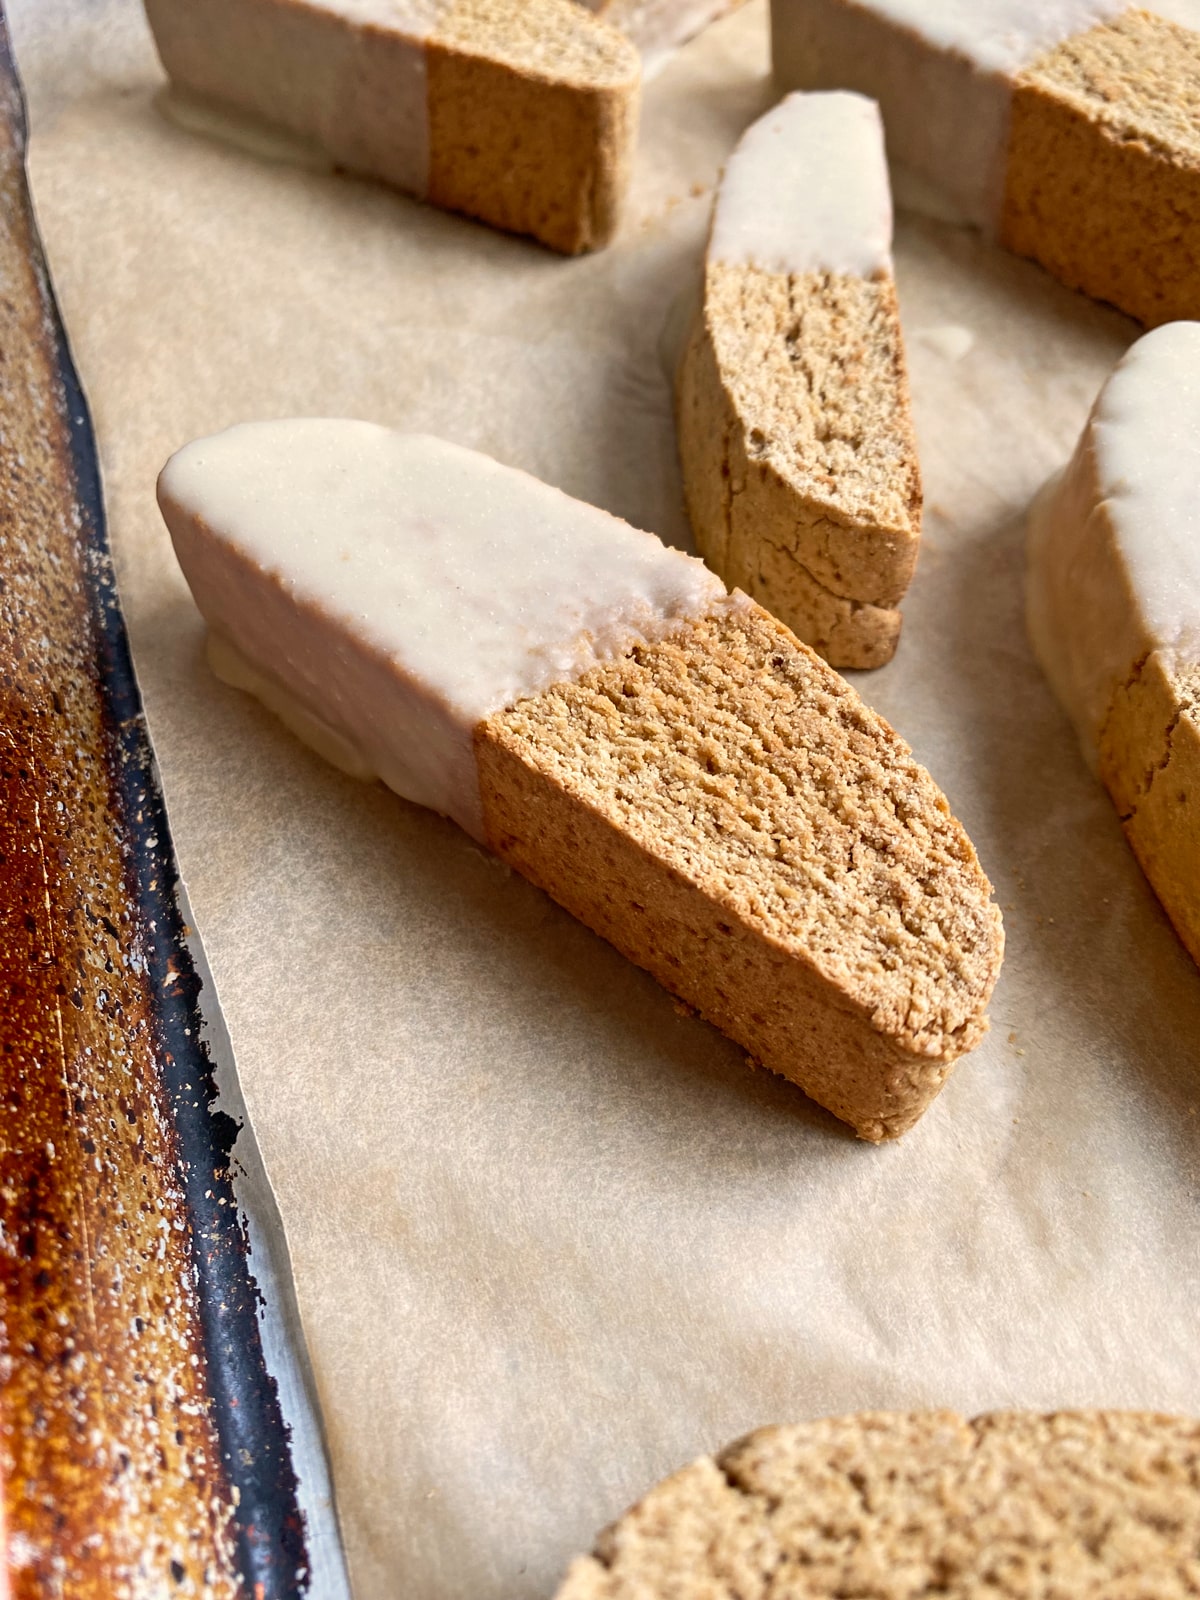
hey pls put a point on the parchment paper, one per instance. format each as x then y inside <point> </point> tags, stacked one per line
<point>551,1237</point>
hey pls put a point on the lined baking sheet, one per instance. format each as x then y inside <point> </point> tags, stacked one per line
<point>551,1236</point>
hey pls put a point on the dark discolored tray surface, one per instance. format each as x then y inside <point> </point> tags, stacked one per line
<point>142,1446</point>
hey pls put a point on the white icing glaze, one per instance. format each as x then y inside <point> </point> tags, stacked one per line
<point>231,666</point>
<point>807,190</point>
<point>392,590</point>
<point>941,70</point>
<point>1001,36</point>
<point>1114,540</point>
<point>416,18</point>
<point>347,74</point>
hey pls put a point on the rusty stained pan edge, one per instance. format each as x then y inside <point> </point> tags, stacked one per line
<point>266,1524</point>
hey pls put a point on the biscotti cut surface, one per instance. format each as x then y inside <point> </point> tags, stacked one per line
<point>799,454</point>
<point>795,427</point>
<point>724,809</point>
<point>523,116</point>
<point>1067,128</point>
<point>1074,1506</point>
<point>1103,172</point>
<point>1150,761</point>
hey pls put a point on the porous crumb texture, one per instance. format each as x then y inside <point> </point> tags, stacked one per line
<point>1103,177</point>
<point>1074,1506</point>
<point>725,810</point>
<point>798,452</point>
<point>1150,761</point>
<point>532,118</point>
<point>547,38</point>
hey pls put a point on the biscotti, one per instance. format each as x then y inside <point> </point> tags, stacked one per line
<point>1114,606</point>
<point>524,116</point>
<point>664,758</point>
<point>795,428</point>
<point>1068,128</point>
<point>1075,1506</point>
<point>658,25</point>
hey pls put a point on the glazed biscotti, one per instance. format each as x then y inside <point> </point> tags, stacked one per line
<point>1075,1506</point>
<point>524,116</point>
<point>795,429</point>
<point>1114,605</point>
<point>657,25</point>
<point>1069,128</point>
<point>664,758</point>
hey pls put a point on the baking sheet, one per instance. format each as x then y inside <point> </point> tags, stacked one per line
<point>285,1355</point>
<point>141,1427</point>
<point>551,1237</point>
